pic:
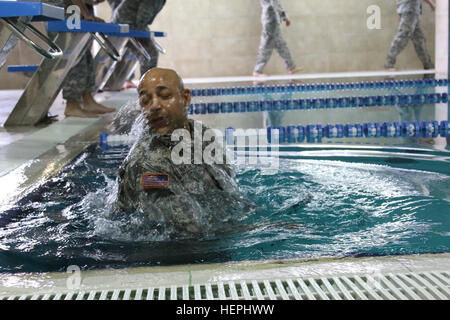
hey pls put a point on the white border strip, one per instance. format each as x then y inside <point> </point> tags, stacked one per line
<point>441,59</point>
<point>333,75</point>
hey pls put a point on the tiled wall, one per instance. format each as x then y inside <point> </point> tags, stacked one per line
<point>221,37</point>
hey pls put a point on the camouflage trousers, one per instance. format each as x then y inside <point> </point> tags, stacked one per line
<point>81,78</point>
<point>139,14</point>
<point>410,28</point>
<point>271,38</point>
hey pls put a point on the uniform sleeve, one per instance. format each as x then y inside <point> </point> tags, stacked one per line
<point>128,187</point>
<point>276,4</point>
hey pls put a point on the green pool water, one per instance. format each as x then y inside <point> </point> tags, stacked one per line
<point>319,203</point>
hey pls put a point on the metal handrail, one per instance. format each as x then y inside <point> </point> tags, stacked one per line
<point>54,51</point>
<point>106,45</point>
<point>157,45</point>
<point>141,48</point>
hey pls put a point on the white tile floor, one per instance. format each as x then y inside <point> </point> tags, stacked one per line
<point>21,144</point>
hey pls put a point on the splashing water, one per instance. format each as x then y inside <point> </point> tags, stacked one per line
<point>311,208</point>
<point>187,212</point>
<point>125,120</point>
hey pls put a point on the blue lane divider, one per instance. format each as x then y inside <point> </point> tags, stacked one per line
<point>22,68</point>
<point>271,89</point>
<point>317,103</point>
<point>38,10</point>
<point>315,132</point>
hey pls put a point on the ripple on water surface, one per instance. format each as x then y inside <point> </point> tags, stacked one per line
<point>310,208</point>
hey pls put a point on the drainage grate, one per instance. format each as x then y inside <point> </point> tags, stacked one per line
<point>406,286</point>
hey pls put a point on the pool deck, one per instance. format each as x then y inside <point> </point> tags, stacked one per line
<point>21,144</point>
<point>15,285</point>
<point>30,155</point>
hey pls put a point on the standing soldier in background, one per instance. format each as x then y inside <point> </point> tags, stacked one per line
<point>139,14</point>
<point>272,16</point>
<point>410,28</point>
<point>81,79</point>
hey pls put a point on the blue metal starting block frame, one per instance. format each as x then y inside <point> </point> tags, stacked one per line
<point>45,84</point>
<point>38,10</point>
<point>15,18</point>
<point>120,37</point>
<point>122,70</point>
<point>107,67</point>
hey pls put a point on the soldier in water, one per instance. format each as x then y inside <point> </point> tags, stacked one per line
<point>181,200</point>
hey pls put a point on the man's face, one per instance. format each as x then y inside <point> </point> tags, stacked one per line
<point>163,100</point>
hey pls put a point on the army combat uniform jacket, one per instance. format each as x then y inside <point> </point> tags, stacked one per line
<point>198,196</point>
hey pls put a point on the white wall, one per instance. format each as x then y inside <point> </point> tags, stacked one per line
<point>221,37</point>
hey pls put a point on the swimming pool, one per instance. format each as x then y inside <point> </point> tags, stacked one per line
<point>323,202</point>
<point>373,200</point>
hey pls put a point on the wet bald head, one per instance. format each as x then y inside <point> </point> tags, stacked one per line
<point>168,76</point>
<point>165,100</point>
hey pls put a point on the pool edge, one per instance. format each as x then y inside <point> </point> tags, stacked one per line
<point>12,285</point>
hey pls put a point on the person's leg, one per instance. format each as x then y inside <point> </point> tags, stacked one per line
<point>283,51</point>
<point>265,48</point>
<point>125,12</point>
<point>405,31</point>
<point>73,88</point>
<point>70,88</point>
<point>420,45</point>
<point>89,102</point>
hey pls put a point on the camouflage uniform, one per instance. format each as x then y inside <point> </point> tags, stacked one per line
<point>139,14</point>
<point>271,38</point>
<point>199,195</point>
<point>81,78</point>
<point>410,28</point>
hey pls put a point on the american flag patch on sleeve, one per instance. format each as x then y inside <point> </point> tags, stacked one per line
<point>155,181</point>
